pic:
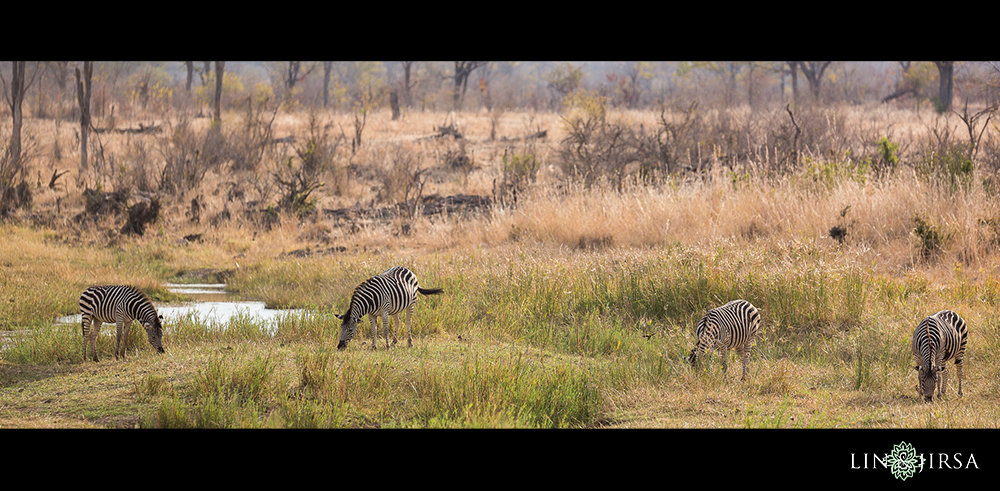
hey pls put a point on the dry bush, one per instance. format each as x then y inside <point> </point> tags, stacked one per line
<point>252,139</point>
<point>188,154</point>
<point>401,177</point>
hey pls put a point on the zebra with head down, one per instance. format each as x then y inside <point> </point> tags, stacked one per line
<point>734,325</point>
<point>119,305</point>
<point>382,295</point>
<point>937,339</point>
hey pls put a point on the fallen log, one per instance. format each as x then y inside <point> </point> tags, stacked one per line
<point>533,136</point>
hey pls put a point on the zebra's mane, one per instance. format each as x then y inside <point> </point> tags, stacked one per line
<point>356,297</point>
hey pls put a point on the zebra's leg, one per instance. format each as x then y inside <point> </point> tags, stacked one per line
<point>958,368</point>
<point>409,332</point>
<point>385,328</point>
<point>95,331</point>
<point>943,381</point>
<point>724,353</point>
<point>395,324</point>
<point>91,328</point>
<point>745,357</point>
<point>85,330</point>
<point>374,318</point>
<point>121,337</point>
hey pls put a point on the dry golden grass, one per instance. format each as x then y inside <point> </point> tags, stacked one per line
<point>719,205</point>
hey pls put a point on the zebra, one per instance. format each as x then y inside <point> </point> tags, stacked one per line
<point>734,325</point>
<point>382,295</point>
<point>937,339</point>
<point>118,304</point>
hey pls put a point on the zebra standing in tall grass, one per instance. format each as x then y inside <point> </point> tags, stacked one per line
<point>119,305</point>
<point>734,325</point>
<point>383,295</point>
<point>937,339</point>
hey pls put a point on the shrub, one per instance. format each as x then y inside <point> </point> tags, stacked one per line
<point>932,240</point>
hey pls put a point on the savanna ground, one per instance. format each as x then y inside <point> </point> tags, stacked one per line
<point>572,306</point>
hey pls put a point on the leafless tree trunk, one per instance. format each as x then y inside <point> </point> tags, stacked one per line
<point>17,90</point>
<point>219,72</point>
<point>190,75</point>
<point>83,98</point>
<point>12,165</point>
<point>60,73</point>
<point>793,66</point>
<point>292,74</point>
<point>462,71</point>
<point>327,69</point>
<point>813,70</point>
<point>946,70</point>
<point>407,82</point>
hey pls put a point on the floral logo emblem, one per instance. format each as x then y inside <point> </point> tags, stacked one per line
<point>903,461</point>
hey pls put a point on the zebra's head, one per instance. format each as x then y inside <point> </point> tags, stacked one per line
<point>693,357</point>
<point>927,378</point>
<point>348,328</point>
<point>706,332</point>
<point>154,332</point>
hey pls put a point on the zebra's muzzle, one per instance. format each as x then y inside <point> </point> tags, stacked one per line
<point>342,345</point>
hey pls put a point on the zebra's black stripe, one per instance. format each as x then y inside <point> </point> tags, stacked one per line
<point>734,325</point>
<point>119,305</point>
<point>389,293</point>
<point>937,339</point>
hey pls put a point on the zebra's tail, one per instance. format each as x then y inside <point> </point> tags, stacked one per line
<point>430,291</point>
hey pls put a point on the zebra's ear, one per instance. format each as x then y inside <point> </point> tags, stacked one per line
<point>339,316</point>
<point>917,368</point>
<point>941,368</point>
<point>161,317</point>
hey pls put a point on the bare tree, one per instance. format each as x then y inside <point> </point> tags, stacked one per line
<point>12,164</point>
<point>946,71</point>
<point>813,70</point>
<point>408,82</point>
<point>190,75</point>
<point>59,70</point>
<point>83,99</point>
<point>219,72</point>
<point>793,68</point>
<point>295,74</point>
<point>292,74</point>
<point>462,71</point>
<point>205,72</point>
<point>972,123</point>
<point>18,88</point>
<point>327,69</point>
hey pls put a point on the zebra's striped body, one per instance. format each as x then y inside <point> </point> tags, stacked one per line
<point>937,339</point>
<point>734,325</point>
<point>383,295</point>
<point>118,305</point>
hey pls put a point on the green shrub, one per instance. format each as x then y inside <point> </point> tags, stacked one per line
<point>949,163</point>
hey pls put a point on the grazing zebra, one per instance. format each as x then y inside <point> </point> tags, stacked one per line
<point>937,339</point>
<point>734,325</point>
<point>383,295</point>
<point>119,305</point>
